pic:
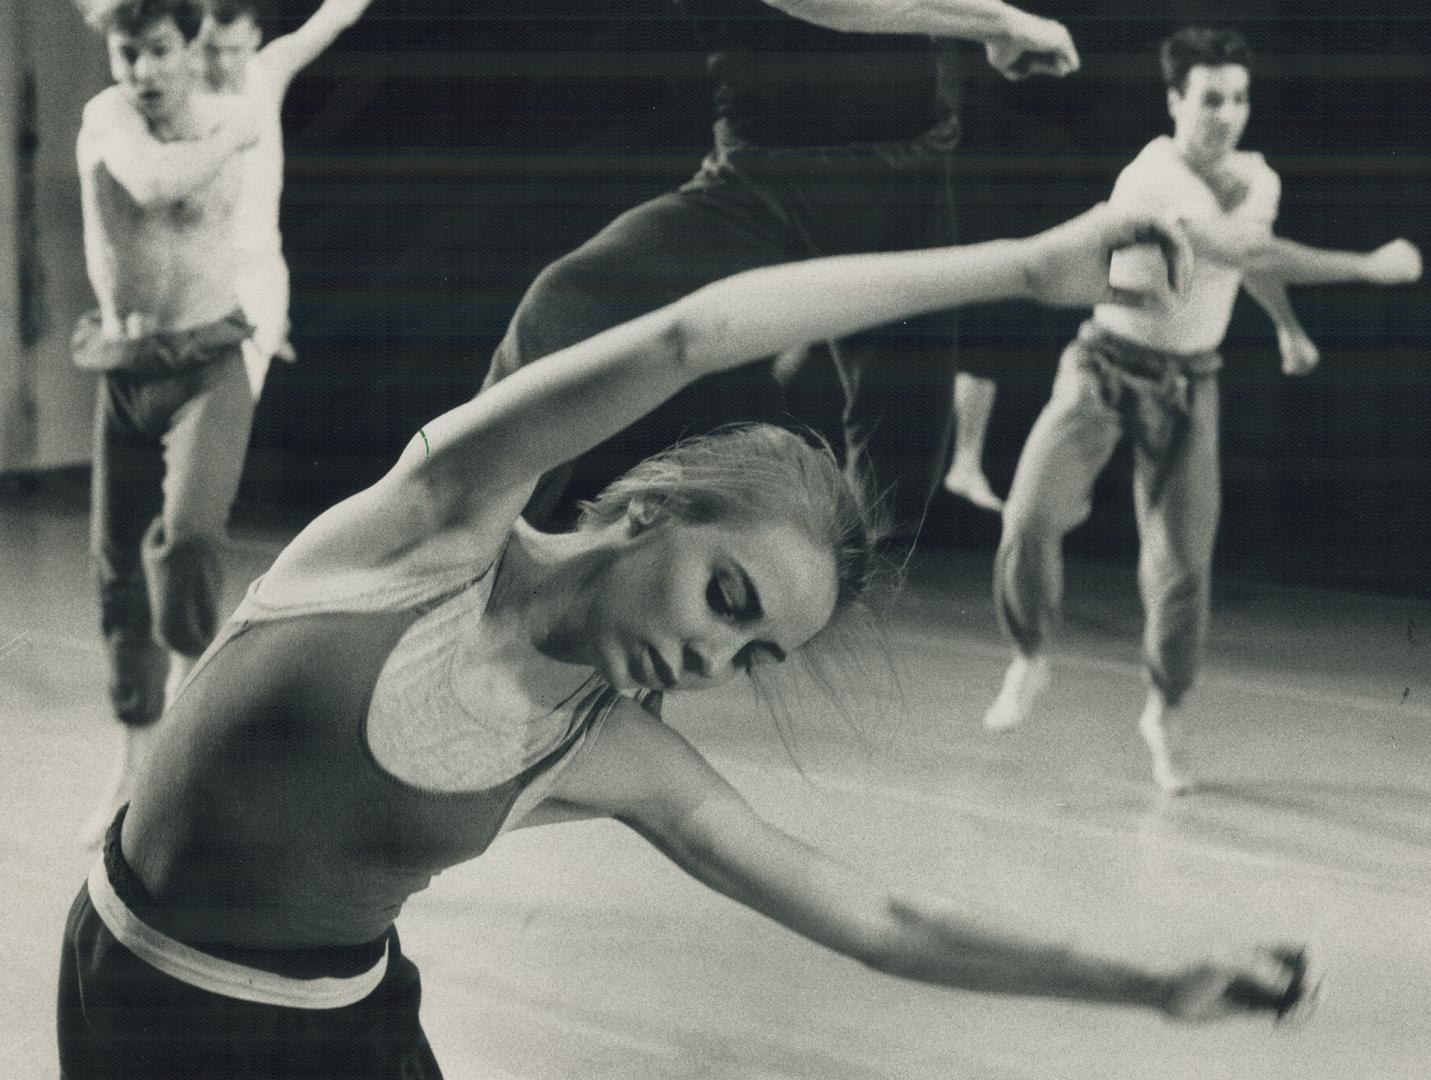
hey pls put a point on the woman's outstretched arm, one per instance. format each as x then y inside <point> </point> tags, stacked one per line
<point>642,773</point>
<point>475,464</point>
<point>557,408</point>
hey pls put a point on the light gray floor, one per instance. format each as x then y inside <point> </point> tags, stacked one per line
<point>576,952</point>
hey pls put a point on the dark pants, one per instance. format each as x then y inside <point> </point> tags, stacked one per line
<point>1171,412</point>
<point>748,208</point>
<point>169,448</point>
<point>118,1017</point>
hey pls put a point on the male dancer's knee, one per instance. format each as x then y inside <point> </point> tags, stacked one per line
<point>184,580</point>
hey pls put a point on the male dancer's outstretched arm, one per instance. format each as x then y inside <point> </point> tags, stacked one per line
<point>1260,253</point>
<point>1269,262</point>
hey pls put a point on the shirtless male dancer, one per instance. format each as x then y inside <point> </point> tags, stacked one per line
<point>1150,373</point>
<point>161,167</point>
<point>233,63</point>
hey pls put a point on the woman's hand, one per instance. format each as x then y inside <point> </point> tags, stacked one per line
<point>1068,265</point>
<point>1275,980</point>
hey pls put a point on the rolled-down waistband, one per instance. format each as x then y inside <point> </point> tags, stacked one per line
<point>214,974</point>
<point>164,353</point>
<point>1144,359</point>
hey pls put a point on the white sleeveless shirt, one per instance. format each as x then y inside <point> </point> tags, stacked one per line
<point>1158,176</point>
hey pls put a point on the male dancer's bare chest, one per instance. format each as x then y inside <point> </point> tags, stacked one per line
<point>173,260</point>
<point>195,218</point>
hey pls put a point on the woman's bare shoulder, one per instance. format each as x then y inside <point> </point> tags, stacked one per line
<point>376,545</point>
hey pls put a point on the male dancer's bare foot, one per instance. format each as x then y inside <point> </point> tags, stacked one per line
<point>1026,679</point>
<point>1158,726</point>
<point>969,482</point>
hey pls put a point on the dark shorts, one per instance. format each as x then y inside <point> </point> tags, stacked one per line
<point>172,421</point>
<point>119,1017</point>
<point>165,353</point>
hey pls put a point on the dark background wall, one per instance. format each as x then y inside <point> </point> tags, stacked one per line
<point>441,155</point>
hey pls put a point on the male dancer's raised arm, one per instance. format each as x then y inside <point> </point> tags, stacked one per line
<point>235,64</point>
<point>287,55</point>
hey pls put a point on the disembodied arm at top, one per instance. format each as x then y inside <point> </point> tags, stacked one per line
<point>1016,43</point>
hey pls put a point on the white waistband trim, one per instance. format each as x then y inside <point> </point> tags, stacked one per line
<point>198,969</point>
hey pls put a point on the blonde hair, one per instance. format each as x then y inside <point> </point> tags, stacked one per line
<point>752,473</point>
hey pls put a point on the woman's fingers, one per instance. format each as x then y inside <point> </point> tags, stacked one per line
<point>1282,980</point>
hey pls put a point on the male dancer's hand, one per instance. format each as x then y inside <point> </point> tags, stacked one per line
<point>1299,352</point>
<point>1032,46</point>
<point>1396,263</point>
<point>1068,264</point>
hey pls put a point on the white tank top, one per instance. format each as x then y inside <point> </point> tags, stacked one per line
<point>1158,176</point>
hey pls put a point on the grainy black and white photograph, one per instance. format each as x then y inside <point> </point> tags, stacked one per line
<point>725,539</point>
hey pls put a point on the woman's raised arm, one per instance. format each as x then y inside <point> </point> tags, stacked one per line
<point>562,405</point>
<point>477,462</point>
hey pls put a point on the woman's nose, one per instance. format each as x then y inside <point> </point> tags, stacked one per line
<point>694,661</point>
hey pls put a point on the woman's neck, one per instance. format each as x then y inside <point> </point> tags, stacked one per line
<point>544,585</point>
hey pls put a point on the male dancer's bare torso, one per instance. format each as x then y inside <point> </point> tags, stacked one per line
<point>160,263</point>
